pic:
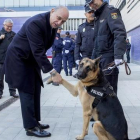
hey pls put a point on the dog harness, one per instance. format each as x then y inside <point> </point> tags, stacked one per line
<point>100,92</point>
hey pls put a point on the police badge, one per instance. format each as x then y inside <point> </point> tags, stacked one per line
<point>84,29</point>
<point>114,15</point>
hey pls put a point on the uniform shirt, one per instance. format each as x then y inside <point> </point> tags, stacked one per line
<point>110,33</point>
<point>58,44</point>
<point>84,40</point>
<point>68,45</point>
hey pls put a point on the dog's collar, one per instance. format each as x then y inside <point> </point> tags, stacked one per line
<point>100,92</point>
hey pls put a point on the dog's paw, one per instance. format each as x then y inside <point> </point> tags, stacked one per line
<point>49,80</point>
<point>79,137</point>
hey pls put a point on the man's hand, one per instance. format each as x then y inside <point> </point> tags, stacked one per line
<point>56,77</point>
<point>2,36</point>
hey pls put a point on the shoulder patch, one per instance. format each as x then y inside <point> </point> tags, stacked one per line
<point>114,15</point>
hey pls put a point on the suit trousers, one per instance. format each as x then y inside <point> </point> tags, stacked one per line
<point>30,105</point>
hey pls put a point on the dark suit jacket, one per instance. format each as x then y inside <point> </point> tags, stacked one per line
<point>26,54</point>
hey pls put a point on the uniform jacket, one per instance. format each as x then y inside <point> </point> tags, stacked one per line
<point>4,43</point>
<point>58,44</point>
<point>69,44</point>
<point>26,54</point>
<point>110,33</point>
<point>84,40</point>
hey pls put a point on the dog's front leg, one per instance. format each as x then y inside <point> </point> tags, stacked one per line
<point>86,119</point>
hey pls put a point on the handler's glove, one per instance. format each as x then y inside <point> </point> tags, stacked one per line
<point>77,62</point>
<point>118,61</point>
<point>64,42</point>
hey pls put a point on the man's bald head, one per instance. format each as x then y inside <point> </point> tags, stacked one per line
<point>58,16</point>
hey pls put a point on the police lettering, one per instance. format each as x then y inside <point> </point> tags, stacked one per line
<point>97,92</point>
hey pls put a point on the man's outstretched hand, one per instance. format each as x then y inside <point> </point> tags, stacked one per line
<point>56,77</point>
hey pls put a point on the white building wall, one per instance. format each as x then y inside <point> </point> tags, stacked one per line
<point>76,18</point>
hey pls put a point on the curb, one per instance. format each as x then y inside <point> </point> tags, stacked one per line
<point>12,99</point>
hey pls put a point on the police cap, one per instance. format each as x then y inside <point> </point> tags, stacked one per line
<point>67,33</point>
<point>88,9</point>
<point>88,2</point>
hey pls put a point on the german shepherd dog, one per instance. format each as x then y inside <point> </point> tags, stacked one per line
<point>110,122</point>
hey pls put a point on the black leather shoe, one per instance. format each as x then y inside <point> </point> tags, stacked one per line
<point>37,132</point>
<point>0,96</point>
<point>14,95</point>
<point>43,126</point>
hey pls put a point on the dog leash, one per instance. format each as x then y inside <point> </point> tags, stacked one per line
<point>112,66</point>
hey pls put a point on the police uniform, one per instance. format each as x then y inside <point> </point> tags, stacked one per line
<point>110,36</point>
<point>85,39</point>
<point>67,54</point>
<point>57,53</point>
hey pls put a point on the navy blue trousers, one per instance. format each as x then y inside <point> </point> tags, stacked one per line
<point>68,63</point>
<point>30,105</point>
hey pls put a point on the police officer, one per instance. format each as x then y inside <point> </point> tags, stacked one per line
<point>57,53</point>
<point>67,54</point>
<point>85,37</point>
<point>110,37</point>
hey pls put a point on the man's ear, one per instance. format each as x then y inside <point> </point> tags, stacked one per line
<point>52,10</point>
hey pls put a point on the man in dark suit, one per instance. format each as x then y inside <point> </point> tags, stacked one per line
<point>26,58</point>
<point>6,36</point>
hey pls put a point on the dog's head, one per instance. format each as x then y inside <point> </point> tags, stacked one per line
<point>88,69</point>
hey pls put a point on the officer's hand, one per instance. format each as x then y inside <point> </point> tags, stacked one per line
<point>77,62</point>
<point>56,77</point>
<point>118,62</point>
<point>2,36</point>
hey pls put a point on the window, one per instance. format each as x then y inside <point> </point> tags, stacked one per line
<point>63,2</point>
<point>2,4</point>
<point>70,2</point>
<point>77,2</point>
<point>24,3</point>
<point>47,3</point>
<point>31,3</point>
<point>39,3</point>
<point>16,3</point>
<point>54,2</point>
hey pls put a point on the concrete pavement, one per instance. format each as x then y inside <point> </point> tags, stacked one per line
<point>63,112</point>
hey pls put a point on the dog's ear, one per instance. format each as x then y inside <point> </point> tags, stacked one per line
<point>97,60</point>
<point>96,63</point>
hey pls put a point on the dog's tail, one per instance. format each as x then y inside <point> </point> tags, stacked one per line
<point>71,88</point>
<point>135,139</point>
